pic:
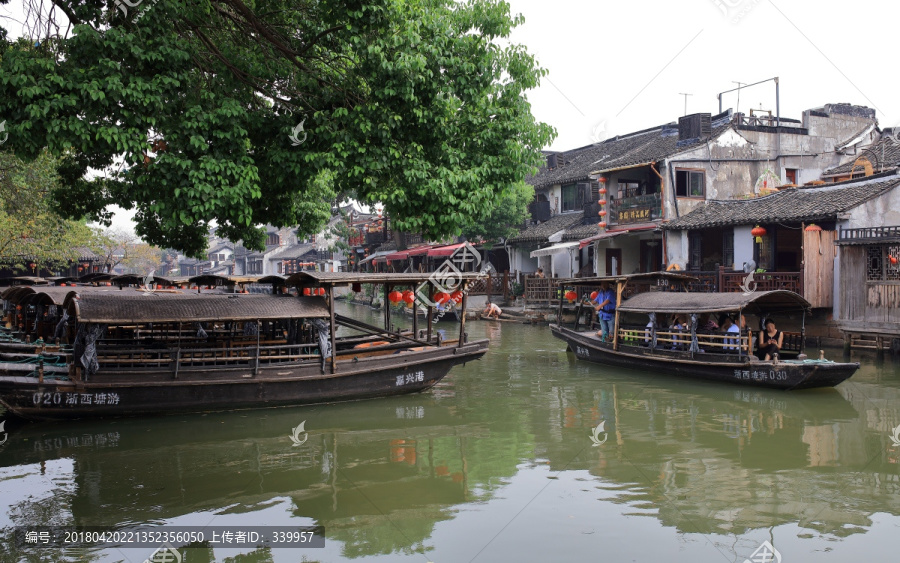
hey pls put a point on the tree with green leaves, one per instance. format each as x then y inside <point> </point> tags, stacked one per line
<point>242,113</point>
<point>501,220</point>
<point>30,229</point>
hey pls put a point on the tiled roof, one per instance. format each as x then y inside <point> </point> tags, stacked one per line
<point>787,205</point>
<point>582,231</point>
<point>638,148</point>
<point>294,252</point>
<point>539,233</point>
<point>883,154</point>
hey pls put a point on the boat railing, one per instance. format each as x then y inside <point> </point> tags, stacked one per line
<point>186,358</point>
<point>680,339</point>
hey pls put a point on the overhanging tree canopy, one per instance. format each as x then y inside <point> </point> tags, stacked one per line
<point>247,113</point>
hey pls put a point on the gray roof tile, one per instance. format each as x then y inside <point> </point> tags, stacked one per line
<point>787,205</point>
<point>540,232</point>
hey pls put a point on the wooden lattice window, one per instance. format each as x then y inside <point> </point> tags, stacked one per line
<point>883,263</point>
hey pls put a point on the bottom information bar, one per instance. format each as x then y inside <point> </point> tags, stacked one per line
<point>231,536</point>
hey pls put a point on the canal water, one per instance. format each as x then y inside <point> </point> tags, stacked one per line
<point>505,460</point>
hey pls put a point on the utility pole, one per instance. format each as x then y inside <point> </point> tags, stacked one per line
<point>737,106</point>
<point>685,100</point>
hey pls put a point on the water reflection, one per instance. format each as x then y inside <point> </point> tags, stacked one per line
<point>385,477</point>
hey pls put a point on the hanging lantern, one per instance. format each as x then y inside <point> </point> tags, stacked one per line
<point>32,265</point>
<point>603,190</point>
<point>813,228</point>
<point>307,292</point>
<point>409,297</point>
<point>571,296</point>
<point>602,213</point>
<point>593,295</point>
<point>395,297</point>
<point>440,297</point>
<point>602,202</point>
<point>456,296</point>
<point>602,179</point>
<point>602,224</point>
<point>759,233</point>
<point>893,260</point>
<point>321,292</point>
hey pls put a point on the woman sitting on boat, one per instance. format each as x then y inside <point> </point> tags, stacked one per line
<point>770,341</point>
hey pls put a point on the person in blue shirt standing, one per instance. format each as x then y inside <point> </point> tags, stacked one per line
<point>606,306</point>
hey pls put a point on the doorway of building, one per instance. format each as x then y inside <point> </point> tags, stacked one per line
<point>613,261</point>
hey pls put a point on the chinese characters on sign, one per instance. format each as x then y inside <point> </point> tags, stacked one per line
<point>635,215</point>
<point>417,377</point>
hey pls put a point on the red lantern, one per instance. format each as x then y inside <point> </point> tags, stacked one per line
<point>395,297</point>
<point>759,233</point>
<point>307,292</point>
<point>593,295</point>
<point>603,190</point>
<point>32,265</point>
<point>441,297</point>
<point>602,224</point>
<point>893,260</point>
<point>409,297</point>
<point>602,202</point>
<point>813,228</point>
<point>456,296</point>
<point>602,213</point>
<point>321,291</point>
<point>602,179</point>
<point>571,296</point>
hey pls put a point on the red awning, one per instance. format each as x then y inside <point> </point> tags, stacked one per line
<point>420,250</point>
<point>397,256</point>
<point>445,250</point>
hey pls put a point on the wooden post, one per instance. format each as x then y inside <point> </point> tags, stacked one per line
<point>256,362</point>
<point>333,330</point>
<point>721,280</point>
<point>415,307</point>
<point>620,287</point>
<point>506,285</point>
<point>387,308</point>
<point>559,314</point>
<point>462,321</point>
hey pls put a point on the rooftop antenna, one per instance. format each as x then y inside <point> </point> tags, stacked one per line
<point>737,105</point>
<point>685,100</point>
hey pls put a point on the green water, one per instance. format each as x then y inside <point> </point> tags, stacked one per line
<point>494,464</point>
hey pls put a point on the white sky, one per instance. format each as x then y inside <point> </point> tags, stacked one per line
<point>601,55</point>
<point>616,67</point>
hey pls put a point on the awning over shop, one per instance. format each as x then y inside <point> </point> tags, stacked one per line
<point>376,255</point>
<point>555,249</point>
<point>397,256</point>
<point>445,250</point>
<point>607,235</point>
<point>420,250</point>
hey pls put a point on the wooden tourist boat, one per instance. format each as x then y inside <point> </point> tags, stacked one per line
<point>128,353</point>
<point>714,356</point>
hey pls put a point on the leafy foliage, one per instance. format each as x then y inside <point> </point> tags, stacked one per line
<point>30,231</point>
<point>500,218</point>
<point>253,113</point>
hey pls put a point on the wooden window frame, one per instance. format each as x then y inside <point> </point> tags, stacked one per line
<point>690,171</point>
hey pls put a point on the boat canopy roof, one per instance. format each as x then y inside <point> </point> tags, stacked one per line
<point>597,280</point>
<point>345,278</point>
<point>678,302</point>
<point>111,308</point>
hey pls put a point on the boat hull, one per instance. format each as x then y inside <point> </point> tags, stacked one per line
<point>785,375</point>
<point>158,392</point>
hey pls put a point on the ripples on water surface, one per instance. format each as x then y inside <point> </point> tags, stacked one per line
<point>495,464</point>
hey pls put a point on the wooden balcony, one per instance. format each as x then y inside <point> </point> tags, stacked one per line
<point>728,281</point>
<point>869,235</point>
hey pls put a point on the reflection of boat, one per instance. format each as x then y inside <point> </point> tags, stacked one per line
<point>138,354</point>
<point>720,356</point>
<point>399,465</point>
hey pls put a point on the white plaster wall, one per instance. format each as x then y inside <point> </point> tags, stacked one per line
<point>676,247</point>
<point>562,264</point>
<point>881,211</point>
<point>743,246</point>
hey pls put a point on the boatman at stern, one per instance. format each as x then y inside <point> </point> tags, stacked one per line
<point>606,306</point>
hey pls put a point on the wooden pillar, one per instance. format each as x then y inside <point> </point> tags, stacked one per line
<point>415,307</point>
<point>333,329</point>
<point>429,313</point>
<point>620,287</point>
<point>387,308</point>
<point>462,321</point>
